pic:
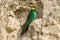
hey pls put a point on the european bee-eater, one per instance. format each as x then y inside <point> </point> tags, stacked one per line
<point>31,16</point>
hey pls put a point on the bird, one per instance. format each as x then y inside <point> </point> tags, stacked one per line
<point>31,16</point>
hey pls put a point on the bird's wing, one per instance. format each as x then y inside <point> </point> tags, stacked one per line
<point>24,30</point>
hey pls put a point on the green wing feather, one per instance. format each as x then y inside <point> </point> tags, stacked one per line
<point>32,16</point>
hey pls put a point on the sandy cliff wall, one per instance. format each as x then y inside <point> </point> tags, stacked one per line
<point>13,15</point>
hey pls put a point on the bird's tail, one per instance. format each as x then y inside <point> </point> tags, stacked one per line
<point>24,30</point>
<point>25,27</point>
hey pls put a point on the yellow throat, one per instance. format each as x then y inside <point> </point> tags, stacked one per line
<point>32,8</point>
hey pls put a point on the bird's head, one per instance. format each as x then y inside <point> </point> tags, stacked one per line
<point>32,8</point>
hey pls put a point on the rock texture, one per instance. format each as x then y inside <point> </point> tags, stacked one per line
<point>13,15</point>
